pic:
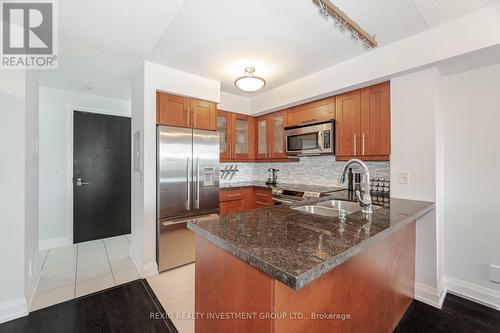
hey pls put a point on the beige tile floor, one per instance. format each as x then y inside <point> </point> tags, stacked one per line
<point>83,268</point>
<point>175,291</point>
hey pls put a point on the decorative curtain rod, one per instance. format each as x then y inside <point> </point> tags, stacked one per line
<point>344,22</point>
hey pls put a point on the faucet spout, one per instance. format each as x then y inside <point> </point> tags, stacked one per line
<point>365,199</point>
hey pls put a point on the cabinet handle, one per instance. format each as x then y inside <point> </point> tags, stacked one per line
<point>355,144</point>
<point>262,194</point>
<point>262,203</point>
<point>233,195</point>
<point>363,144</point>
<point>269,151</point>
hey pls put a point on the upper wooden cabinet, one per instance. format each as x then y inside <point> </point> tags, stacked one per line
<point>363,123</point>
<point>236,135</point>
<point>203,115</point>
<point>314,112</point>
<point>172,110</point>
<point>270,136</point>
<point>347,123</point>
<point>181,111</point>
<point>376,120</point>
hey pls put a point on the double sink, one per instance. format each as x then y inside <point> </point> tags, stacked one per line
<point>330,208</point>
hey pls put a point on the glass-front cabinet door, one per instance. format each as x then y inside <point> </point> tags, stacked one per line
<point>278,135</point>
<point>224,134</point>
<point>263,142</point>
<point>243,138</point>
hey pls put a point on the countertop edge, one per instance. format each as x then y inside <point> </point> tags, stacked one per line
<point>297,282</point>
<point>309,276</point>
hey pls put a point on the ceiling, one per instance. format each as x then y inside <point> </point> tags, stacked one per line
<point>103,43</point>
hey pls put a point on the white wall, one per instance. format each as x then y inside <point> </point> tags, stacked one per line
<point>32,266</point>
<point>472,163</point>
<point>18,192</point>
<point>56,216</point>
<point>478,30</point>
<point>12,194</point>
<point>415,110</point>
<point>151,78</point>
<point>234,103</point>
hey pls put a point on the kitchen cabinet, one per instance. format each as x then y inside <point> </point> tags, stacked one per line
<point>270,136</point>
<point>232,201</point>
<point>239,200</point>
<point>203,115</point>
<point>363,124</point>
<point>262,198</point>
<point>223,122</point>
<point>314,112</point>
<point>376,121</point>
<point>173,110</point>
<point>347,123</point>
<point>237,133</point>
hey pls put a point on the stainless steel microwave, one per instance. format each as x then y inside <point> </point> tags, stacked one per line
<point>314,139</point>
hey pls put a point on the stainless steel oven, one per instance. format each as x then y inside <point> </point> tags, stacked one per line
<point>315,139</point>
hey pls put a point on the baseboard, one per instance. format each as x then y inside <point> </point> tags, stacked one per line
<point>145,270</point>
<point>430,295</point>
<point>473,292</point>
<point>13,309</point>
<point>52,243</point>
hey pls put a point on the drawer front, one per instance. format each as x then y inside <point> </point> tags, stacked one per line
<point>233,206</point>
<point>263,198</point>
<point>231,195</point>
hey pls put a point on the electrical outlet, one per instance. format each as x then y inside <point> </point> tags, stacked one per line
<point>404,178</point>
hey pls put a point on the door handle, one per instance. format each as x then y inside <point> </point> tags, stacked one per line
<point>188,186</point>
<point>363,144</point>
<point>355,150</point>
<point>197,200</point>
<point>80,183</point>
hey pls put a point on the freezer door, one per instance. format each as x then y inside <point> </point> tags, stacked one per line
<point>205,171</point>
<point>174,171</point>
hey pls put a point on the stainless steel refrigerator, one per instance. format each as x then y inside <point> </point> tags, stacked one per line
<point>187,189</point>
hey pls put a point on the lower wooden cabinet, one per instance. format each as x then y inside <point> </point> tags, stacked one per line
<point>234,201</point>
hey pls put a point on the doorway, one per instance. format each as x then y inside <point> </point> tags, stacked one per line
<point>101,176</point>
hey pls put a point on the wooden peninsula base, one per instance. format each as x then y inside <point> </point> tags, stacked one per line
<point>373,288</point>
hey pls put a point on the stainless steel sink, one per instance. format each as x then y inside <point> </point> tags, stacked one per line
<point>346,206</point>
<point>317,210</point>
<point>330,208</point>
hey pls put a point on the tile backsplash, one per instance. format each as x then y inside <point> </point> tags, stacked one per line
<point>317,170</point>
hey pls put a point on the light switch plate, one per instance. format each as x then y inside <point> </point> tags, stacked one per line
<point>404,178</point>
<point>494,273</point>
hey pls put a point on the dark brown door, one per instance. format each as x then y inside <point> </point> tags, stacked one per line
<point>348,123</point>
<point>101,176</point>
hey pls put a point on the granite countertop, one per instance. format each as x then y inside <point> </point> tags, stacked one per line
<point>296,248</point>
<point>288,186</point>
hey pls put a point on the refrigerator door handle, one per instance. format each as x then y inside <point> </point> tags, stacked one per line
<point>188,186</point>
<point>197,200</point>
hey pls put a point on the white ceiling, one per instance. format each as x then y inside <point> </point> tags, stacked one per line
<point>103,43</point>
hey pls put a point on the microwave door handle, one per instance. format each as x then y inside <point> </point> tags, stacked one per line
<point>321,142</point>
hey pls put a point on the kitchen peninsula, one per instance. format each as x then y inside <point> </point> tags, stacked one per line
<point>283,268</point>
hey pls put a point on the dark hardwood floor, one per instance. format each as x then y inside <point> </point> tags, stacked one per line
<point>129,307</point>
<point>458,315</point>
<point>125,308</point>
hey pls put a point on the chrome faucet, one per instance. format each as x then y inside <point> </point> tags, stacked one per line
<point>365,200</point>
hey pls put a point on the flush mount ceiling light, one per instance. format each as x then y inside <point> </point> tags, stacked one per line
<point>344,23</point>
<point>249,82</point>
